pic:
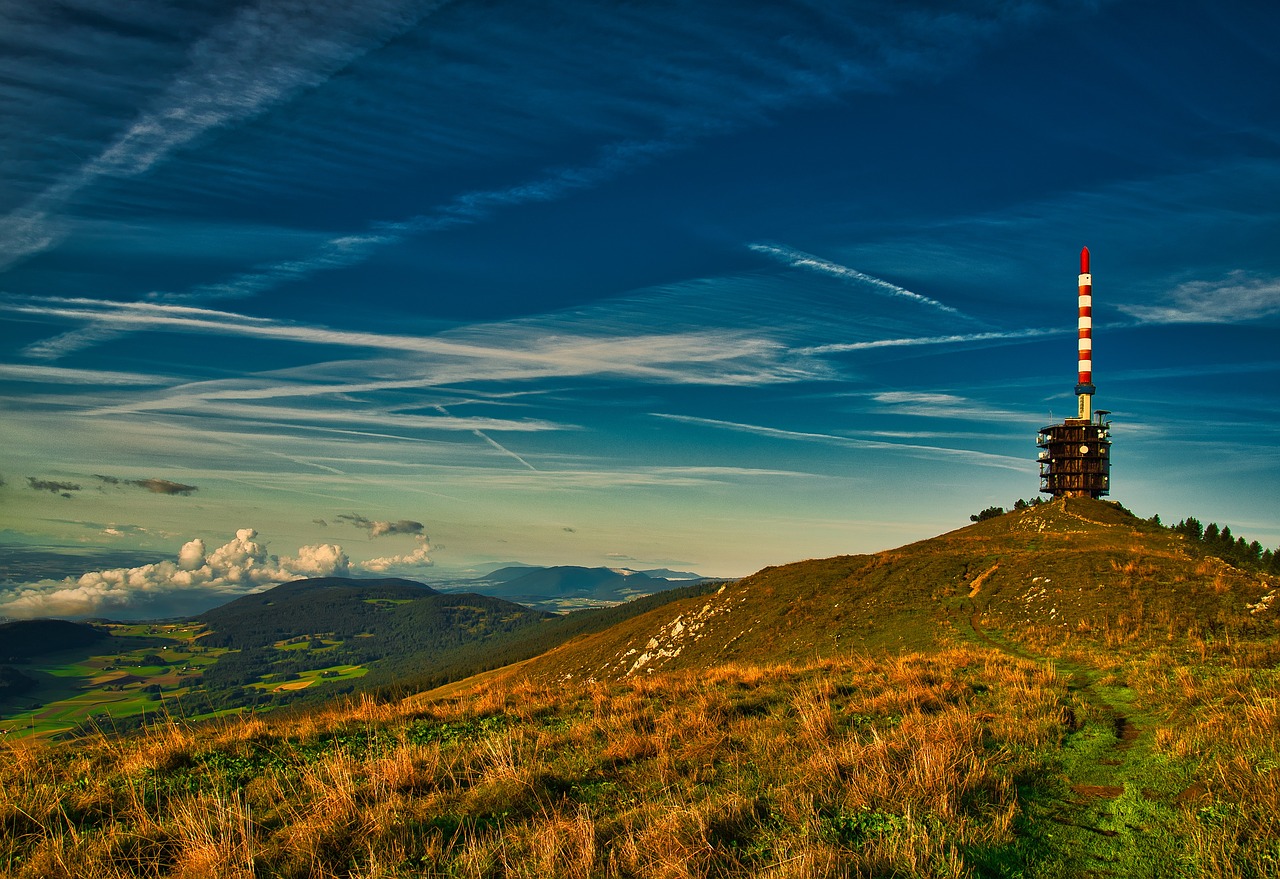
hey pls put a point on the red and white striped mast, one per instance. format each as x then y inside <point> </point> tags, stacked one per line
<point>1084,382</point>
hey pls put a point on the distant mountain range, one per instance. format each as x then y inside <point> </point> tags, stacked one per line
<point>565,587</point>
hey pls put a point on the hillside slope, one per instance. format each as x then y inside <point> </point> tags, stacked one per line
<point>1076,568</point>
<point>1093,697</point>
<point>327,604</point>
<point>387,628</point>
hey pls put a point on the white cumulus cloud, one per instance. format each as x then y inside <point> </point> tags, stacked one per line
<point>196,581</point>
<point>418,558</point>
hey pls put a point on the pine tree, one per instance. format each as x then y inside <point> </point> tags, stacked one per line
<point>1253,552</point>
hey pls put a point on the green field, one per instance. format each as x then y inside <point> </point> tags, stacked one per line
<point>113,679</point>
<point>307,678</point>
<point>120,678</point>
<point>304,642</point>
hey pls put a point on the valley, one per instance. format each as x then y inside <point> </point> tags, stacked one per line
<point>142,671</point>
<point>299,643</point>
<point>130,673</point>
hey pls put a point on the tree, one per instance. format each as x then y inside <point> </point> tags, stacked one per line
<point>1191,527</point>
<point>1253,551</point>
<point>988,513</point>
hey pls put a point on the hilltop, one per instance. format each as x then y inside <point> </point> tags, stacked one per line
<point>1071,571</point>
<point>336,605</point>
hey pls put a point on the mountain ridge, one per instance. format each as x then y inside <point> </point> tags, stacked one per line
<point>570,587</point>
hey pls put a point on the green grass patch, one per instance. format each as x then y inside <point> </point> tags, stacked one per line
<point>307,642</point>
<point>108,680</point>
<point>305,679</point>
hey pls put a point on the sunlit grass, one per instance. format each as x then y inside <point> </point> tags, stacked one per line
<point>1121,719</point>
<point>836,768</point>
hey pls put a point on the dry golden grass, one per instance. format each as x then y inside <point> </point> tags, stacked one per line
<point>834,768</point>
<point>852,766</point>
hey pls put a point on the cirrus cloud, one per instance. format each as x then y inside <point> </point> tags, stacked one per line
<point>1239,297</point>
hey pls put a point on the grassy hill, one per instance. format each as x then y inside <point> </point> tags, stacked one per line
<point>1061,691</point>
<point>1064,575</point>
<point>327,604</point>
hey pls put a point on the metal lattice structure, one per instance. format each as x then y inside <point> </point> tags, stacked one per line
<point>1075,457</point>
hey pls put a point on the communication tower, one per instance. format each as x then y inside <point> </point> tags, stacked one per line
<point>1075,456</point>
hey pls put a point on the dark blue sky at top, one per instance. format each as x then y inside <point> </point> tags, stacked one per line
<point>715,283</point>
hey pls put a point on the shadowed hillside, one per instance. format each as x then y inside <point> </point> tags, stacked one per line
<point>392,628</point>
<point>24,639</point>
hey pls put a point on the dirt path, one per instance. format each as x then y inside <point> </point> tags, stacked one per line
<point>1112,810</point>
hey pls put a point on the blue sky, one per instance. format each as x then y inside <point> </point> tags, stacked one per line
<point>420,287</point>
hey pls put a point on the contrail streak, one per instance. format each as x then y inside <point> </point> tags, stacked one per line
<point>491,441</point>
<point>839,347</point>
<point>799,259</point>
